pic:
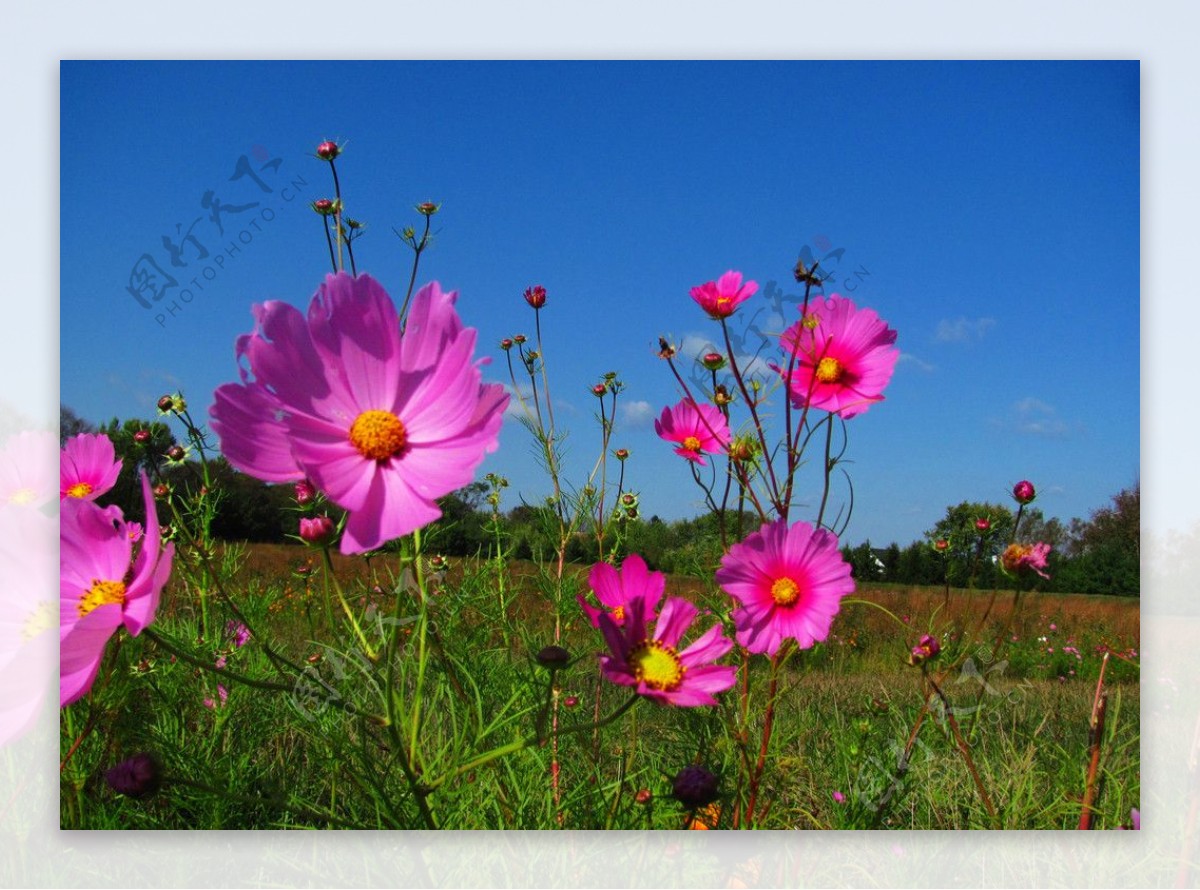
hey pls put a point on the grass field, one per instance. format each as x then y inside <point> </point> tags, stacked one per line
<point>310,751</point>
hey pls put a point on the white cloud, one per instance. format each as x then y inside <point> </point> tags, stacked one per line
<point>1033,417</point>
<point>962,329</point>
<point>908,358</point>
<point>637,414</point>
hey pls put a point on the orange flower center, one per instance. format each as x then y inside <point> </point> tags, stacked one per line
<point>829,370</point>
<point>101,593</point>
<point>618,614</point>
<point>785,592</point>
<point>378,435</point>
<point>657,666</point>
<point>80,490</point>
<point>691,443</point>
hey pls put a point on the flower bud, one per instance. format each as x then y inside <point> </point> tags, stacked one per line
<point>428,208</point>
<point>305,492</point>
<point>438,563</point>
<point>553,657</point>
<point>176,453</point>
<point>694,787</point>
<point>599,390</point>
<point>141,437</point>
<point>161,491</point>
<point>571,701</point>
<point>535,296</point>
<point>164,404</point>
<point>506,344</point>
<point>714,361</point>
<point>644,797</point>
<point>325,207</point>
<point>1024,492</point>
<point>170,403</point>
<point>721,395</point>
<point>629,500</point>
<point>621,454</point>
<point>518,338</point>
<point>318,531</point>
<point>327,151</point>
<point>941,545</point>
<point>983,523</point>
<point>138,777</point>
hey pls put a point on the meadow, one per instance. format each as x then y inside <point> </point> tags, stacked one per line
<point>296,758</point>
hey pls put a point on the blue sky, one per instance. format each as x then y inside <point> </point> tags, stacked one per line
<point>988,211</point>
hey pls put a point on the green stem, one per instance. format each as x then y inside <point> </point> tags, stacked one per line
<point>367,647</point>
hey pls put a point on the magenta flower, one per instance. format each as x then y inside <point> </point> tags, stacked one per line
<point>383,423</point>
<point>615,589</point>
<point>699,430</point>
<point>103,585</point>
<point>1024,492</point>
<point>844,357</point>
<point>721,298</point>
<point>654,665</point>
<point>789,581</point>
<point>89,467</point>
<point>1026,556</point>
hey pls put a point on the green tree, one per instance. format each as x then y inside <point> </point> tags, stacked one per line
<point>1105,551</point>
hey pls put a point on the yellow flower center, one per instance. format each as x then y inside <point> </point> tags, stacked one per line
<point>79,490</point>
<point>691,443</point>
<point>22,496</point>
<point>657,666</point>
<point>785,592</point>
<point>618,614</point>
<point>810,322</point>
<point>40,620</point>
<point>829,370</point>
<point>378,435</point>
<point>102,593</point>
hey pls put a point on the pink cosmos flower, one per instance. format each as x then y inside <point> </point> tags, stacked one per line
<point>789,581</point>
<point>699,430</point>
<point>103,585</point>
<point>1026,556</point>
<point>383,423</point>
<point>27,470</point>
<point>844,357</point>
<point>28,653</point>
<point>614,589</point>
<point>721,298</point>
<point>654,665</point>
<point>89,467</point>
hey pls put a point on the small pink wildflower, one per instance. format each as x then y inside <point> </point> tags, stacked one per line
<point>89,467</point>
<point>789,581</point>
<point>615,589</point>
<point>843,357</point>
<point>652,663</point>
<point>698,429</point>
<point>721,298</point>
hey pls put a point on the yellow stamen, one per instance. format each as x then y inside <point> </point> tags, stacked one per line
<point>618,614</point>
<point>657,666</point>
<point>378,435</point>
<point>80,490</point>
<point>785,592</point>
<point>102,593</point>
<point>40,620</point>
<point>691,443</point>
<point>829,370</point>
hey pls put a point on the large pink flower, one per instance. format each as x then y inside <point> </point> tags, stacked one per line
<point>103,585</point>
<point>27,469</point>
<point>789,581</point>
<point>653,664</point>
<point>699,430</point>
<point>1025,556</point>
<point>721,298</point>
<point>844,357</point>
<point>383,422</point>
<point>616,589</point>
<point>89,467</point>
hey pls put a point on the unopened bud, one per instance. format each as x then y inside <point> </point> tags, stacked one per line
<point>599,390</point>
<point>714,361</point>
<point>643,796</point>
<point>621,453</point>
<point>305,492</point>
<point>553,657</point>
<point>141,437</point>
<point>138,777</point>
<point>519,338</point>
<point>176,453</point>
<point>506,344</point>
<point>161,491</point>
<point>327,151</point>
<point>1024,492</point>
<point>983,523</point>
<point>694,786</point>
<point>428,208</point>
<point>318,531</point>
